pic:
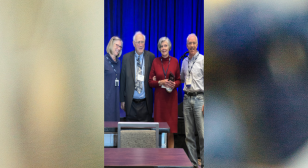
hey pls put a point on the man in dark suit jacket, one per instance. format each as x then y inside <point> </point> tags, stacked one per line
<point>136,95</point>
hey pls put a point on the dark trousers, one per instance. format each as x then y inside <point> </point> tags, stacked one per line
<point>139,112</point>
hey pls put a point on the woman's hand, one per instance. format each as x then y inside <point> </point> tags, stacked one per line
<point>172,84</point>
<point>169,84</point>
<point>154,78</point>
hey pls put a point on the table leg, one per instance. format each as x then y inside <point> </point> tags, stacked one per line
<point>163,140</point>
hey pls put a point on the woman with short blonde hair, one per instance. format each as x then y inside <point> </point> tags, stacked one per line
<point>111,79</point>
<point>111,43</point>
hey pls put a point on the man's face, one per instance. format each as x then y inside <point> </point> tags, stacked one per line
<point>192,45</point>
<point>139,43</point>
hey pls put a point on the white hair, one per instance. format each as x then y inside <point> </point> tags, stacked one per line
<point>192,34</point>
<point>161,40</point>
<point>138,32</point>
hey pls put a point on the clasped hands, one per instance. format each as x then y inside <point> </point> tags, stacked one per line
<point>166,83</point>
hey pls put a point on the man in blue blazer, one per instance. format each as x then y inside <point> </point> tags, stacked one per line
<point>136,95</point>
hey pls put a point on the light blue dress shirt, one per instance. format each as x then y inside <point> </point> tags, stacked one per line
<point>140,95</point>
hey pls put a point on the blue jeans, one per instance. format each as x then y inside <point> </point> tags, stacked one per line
<point>192,110</point>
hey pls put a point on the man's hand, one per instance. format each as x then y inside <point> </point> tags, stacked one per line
<point>123,106</point>
<point>203,109</point>
<point>154,78</point>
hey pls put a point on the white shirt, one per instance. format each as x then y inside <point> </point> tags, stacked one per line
<point>197,73</point>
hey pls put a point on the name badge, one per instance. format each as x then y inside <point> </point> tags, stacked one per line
<point>140,78</point>
<point>188,81</point>
<point>116,82</point>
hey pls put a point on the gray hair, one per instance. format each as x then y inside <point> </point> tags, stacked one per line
<point>138,32</point>
<point>192,34</point>
<point>161,40</point>
<point>110,45</point>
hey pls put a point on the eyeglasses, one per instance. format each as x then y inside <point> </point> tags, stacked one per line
<point>139,42</point>
<point>116,38</point>
<point>119,46</point>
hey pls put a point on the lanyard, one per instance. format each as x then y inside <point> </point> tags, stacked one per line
<point>115,71</point>
<point>192,64</point>
<point>165,73</point>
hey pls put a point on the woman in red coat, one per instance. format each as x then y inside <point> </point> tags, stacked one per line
<point>166,96</point>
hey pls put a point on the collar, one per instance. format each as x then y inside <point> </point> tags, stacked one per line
<point>136,55</point>
<point>110,58</point>
<point>194,57</point>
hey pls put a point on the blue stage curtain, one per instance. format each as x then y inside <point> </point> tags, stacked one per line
<point>175,19</point>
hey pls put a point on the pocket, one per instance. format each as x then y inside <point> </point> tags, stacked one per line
<point>199,97</point>
<point>107,70</point>
<point>185,96</point>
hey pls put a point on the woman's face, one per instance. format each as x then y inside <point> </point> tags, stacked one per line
<point>164,48</point>
<point>117,47</point>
